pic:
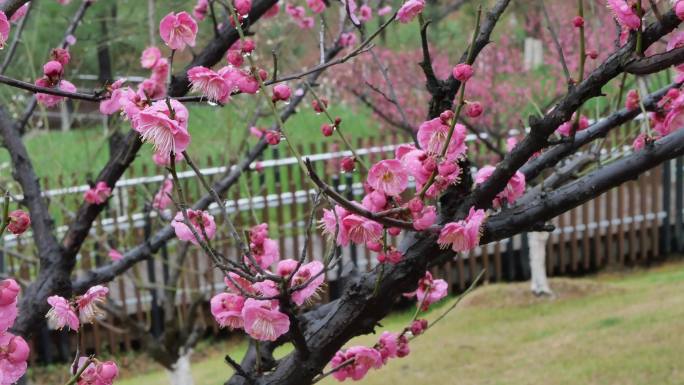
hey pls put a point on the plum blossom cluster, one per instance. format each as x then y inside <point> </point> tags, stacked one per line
<point>98,194</point>
<point>667,118</point>
<point>53,72</point>
<point>254,304</point>
<point>14,351</point>
<point>356,361</point>
<point>83,309</point>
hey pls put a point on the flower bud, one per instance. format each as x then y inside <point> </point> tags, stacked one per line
<point>326,129</point>
<point>473,109</point>
<point>319,107</point>
<point>578,21</point>
<point>281,92</point>
<point>348,163</point>
<point>272,137</point>
<point>235,58</point>
<point>446,116</point>
<point>462,72</point>
<point>53,69</point>
<point>247,46</point>
<point>19,222</point>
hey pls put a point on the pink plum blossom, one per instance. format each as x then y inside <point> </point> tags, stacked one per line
<point>513,190</point>
<point>113,103</point>
<point>98,195</point>
<point>162,199</point>
<point>309,274</point>
<point>9,290</point>
<point>178,30</point>
<point>388,176</point>
<point>14,353</point>
<point>115,255</point>
<point>202,222</point>
<point>19,222</point>
<point>19,13</point>
<point>432,136</point>
<point>429,291</point>
<point>565,129</point>
<point>316,6</point>
<point>227,310</point>
<point>4,29</point>
<point>361,230</point>
<point>210,84</point>
<point>462,72</point>
<point>242,6</point>
<point>98,372</point>
<point>358,360</point>
<point>150,56</point>
<point>463,235</point>
<point>263,321</point>
<point>201,9</point>
<point>61,314</point>
<point>87,304</point>
<point>624,14</point>
<point>409,10</point>
<point>49,100</point>
<point>157,126</point>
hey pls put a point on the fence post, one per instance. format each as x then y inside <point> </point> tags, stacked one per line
<point>666,242</point>
<point>157,324</point>
<point>679,203</point>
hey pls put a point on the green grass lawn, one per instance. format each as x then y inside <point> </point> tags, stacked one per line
<point>610,329</point>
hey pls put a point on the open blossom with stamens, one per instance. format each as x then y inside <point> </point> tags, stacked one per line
<point>9,290</point>
<point>61,314</point>
<point>514,188</point>
<point>227,310</point>
<point>162,199</point>
<point>331,224</point>
<point>361,230</point>
<point>409,10</point>
<point>87,304</point>
<point>157,126</point>
<point>463,235</point>
<point>98,195</point>
<point>624,14</point>
<point>4,29</point>
<point>178,30</point>
<point>357,361</point>
<point>432,136</point>
<point>388,176</point>
<point>305,275</point>
<point>263,320</point>
<point>429,291</point>
<point>202,222</point>
<point>14,352</point>
<point>209,83</point>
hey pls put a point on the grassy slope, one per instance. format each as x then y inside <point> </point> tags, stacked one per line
<point>607,330</point>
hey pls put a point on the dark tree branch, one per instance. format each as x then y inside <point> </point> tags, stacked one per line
<point>655,63</point>
<point>598,130</point>
<point>109,271</point>
<point>54,270</point>
<point>541,128</point>
<point>49,90</point>
<point>15,40</point>
<point>443,96</point>
<point>558,201</point>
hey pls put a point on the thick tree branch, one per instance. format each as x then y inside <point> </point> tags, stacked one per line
<point>541,128</point>
<point>597,130</point>
<point>556,202</point>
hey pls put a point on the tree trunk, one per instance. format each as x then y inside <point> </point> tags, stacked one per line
<point>537,242</point>
<point>181,373</point>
